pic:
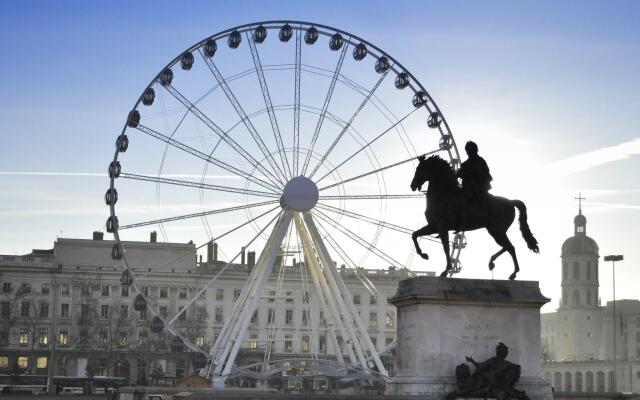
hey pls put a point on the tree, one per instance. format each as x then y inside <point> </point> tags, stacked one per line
<point>92,368</point>
<point>156,372</point>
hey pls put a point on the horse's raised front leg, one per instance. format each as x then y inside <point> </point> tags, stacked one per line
<point>444,238</point>
<point>424,231</point>
<point>492,264</point>
<point>502,240</point>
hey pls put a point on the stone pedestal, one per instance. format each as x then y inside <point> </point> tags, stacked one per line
<point>441,321</point>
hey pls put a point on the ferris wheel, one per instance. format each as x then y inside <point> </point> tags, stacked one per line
<point>292,138</point>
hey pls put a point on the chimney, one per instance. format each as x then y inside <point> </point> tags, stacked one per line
<point>209,252</point>
<point>242,256</point>
<point>97,235</point>
<point>215,252</point>
<point>251,259</point>
<point>153,237</point>
<point>200,259</point>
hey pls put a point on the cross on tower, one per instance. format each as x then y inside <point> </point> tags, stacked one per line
<point>580,198</point>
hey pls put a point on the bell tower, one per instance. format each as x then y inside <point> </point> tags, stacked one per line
<point>578,328</point>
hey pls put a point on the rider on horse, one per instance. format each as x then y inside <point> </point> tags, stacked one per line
<point>476,182</point>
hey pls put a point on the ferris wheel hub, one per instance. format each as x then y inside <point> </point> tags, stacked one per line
<point>300,194</point>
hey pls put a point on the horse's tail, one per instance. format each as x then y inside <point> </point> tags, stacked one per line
<point>532,243</point>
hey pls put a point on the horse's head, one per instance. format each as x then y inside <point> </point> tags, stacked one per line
<point>421,175</point>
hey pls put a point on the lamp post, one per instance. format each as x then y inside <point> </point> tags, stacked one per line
<point>613,259</point>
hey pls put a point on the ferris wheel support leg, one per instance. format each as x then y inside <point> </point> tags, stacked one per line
<point>238,331</point>
<point>346,296</point>
<point>338,315</point>
<point>322,295</point>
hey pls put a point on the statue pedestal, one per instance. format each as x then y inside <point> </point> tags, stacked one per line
<point>442,321</point>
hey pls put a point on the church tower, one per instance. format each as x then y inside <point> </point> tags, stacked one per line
<point>579,326</point>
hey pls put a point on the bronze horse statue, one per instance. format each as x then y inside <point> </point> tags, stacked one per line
<point>446,205</point>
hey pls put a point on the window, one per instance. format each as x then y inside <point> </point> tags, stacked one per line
<point>272,296</point>
<point>65,289</point>
<point>43,336</point>
<point>25,309</point>
<point>63,338</point>
<point>236,294</point>
<point>86,290</point>
<point>588,297</point>
<point>183,315</point>
<point>6,287</point>
<point>340,342</point>
<point>219,294</point>
<point>576,298</point>
<point>288,317</point>
<point>101,367</point>
<point>219,316</point>
<point>567,382</point>
<point>23,339</point>
<point>388,320</point>
<point>123,339</point>
<point>164,292</point>
<point>373,320</point>
<point>576,270</point>
<point>305,317</point>
<point>289,298</point>
<point>180,368</point>
<point>199,341</point>
<point>105,290</point>
<point>373,300</point>
<point>288,344</point>
<point>142,316</point>
<point>305,297</point>
<point>254,317</point>
<point>85,311</point>
<point>104,311</point>
<point>322,344</point>
<point>45,288</point>
<point>164,312</point>
<point>44,310</point>
<point>26,288</point>
<point>64,310</point>
<point>356,299</point>
<point>322,320</point>
<point>271,316</point>
<point>4,362</point>
<point>589,270</point>
<point>388,340</point>
<point>124,291</point>
<point>103,338</point>
<point>142,337</point>
<point>253,341</point>
<point>304,344</point>
<point>182,293</point>
<point>23,362</point>
<point>565,271</point>
<point>83,337</point>
<point>5,310</point>
<point>124,311</point>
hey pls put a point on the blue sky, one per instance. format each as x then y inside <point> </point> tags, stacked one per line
<point>536,84</point>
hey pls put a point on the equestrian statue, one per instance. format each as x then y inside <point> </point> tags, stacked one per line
<point>467,207</point>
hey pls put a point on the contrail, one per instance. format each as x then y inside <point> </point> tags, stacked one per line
<point>595,158</point>
<point>104,175</point>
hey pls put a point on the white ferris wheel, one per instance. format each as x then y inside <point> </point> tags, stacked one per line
<point>293,138</point>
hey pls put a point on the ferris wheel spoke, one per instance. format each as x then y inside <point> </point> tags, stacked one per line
<point>198,185</point>
<point>375,171</point>
<point>243,116</point>
<point>190,150</point>
<point>268,104</point>
<point>327,100</point>
<point>296,102</point>
<point>373,221</point>
<point>195,215</point>
<point>227,265</point>
<point>348,124</point>
<point>222,134</point>
<point>368,144</point>
<point>358,239</point>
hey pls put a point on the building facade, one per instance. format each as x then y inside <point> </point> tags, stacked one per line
<point>578,339</point>
<point>73,296</point>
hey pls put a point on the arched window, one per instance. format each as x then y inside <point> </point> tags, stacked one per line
<point>612,382</point>
<point>576,270</point>
<point>557,380</point>
<point>600,382</point>
<point>589,270</point>
<point>578,381</point>
<point>567,381</point>
<point>576,298</point>
<point>589,381</point>
<point>565,271</point>
<point>588,297</point>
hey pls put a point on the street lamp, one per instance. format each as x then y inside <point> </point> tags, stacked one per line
<point>613,259</point>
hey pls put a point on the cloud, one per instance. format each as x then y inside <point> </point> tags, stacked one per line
<point>595,158</point>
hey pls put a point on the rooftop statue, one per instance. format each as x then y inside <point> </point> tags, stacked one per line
<point>467,207</point>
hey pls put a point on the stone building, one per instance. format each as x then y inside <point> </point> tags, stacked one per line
<point>73,295</point>
<point>578,339</point>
